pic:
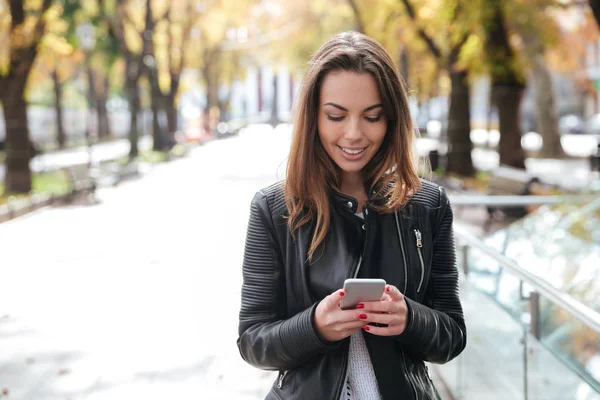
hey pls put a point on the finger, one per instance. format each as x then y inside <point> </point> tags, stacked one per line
<point>333,300</point>
<point>394,293</point>
<point>351,326</point>
<point>376,306</point>
<point>351,315</point>
<point>387,319</point>
<point>381,331</point>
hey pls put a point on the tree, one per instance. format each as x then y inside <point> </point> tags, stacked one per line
<point>126,32</point>
<point>537,31</point>
<point>102,58</point>
<point>458,129</point>
<point>508,86</point>
<point>221,31</point>
<point>180,19</point>
<point>25,31</point>
<point>150,69</point>
<point>358,21</point>
<point>57,61</point>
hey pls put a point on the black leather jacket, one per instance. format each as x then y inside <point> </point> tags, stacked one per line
<point>281,291</point>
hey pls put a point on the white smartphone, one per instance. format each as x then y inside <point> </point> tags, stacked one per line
<point>360,290</point>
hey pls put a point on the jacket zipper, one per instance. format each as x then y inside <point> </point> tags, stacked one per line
<point>418,236</point>
<point>407,375</point>
<point>398,226</point>
<point>338,392</point>
<point>355,274</point>
<point>357,269</point>
<point>281,378</point>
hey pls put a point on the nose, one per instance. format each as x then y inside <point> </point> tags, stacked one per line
<point>353,131</point>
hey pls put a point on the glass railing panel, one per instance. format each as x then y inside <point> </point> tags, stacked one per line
<point>550,378</point>
<point>573,346</point>
<point>492,365</point>
<point>486,274</point>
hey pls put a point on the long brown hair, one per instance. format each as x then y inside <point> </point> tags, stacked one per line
<point>311,173</point>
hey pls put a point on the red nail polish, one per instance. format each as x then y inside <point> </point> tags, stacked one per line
<point>387,289</point>
<point>360,305</point>
<point>362,316</point>
<point>342,294</point>
<point>366,328</point>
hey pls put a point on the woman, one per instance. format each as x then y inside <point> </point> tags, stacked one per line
<point>352,206</point>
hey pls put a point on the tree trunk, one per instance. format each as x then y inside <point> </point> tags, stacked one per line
<point>404,66</point>
<point>20,60</point>
<point>209,97</point>
<point>275,106</point>
<point>151,70</point>
<point>102,112</point>
<point>60,127</point>
<point>507,88</point>
<point>171,107</point>
<point>508,99</point>
<point>259,90</point>
<point>133,97</point>
<point>545,110</point>
<point>91,99</point>
<point>18,151</point>
<point>358,24</point>
<point>158,142</point>
<point>544,105</point>
<point>171,111</point>
<point>459,130</point>
<point>212,94</point>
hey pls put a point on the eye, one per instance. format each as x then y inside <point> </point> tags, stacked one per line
<point>373,119</point>
<point>337,119</point>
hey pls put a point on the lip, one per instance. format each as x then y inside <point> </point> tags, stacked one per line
<point>353,157</point>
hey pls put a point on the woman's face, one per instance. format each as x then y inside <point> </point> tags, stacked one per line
<point>351,121</point>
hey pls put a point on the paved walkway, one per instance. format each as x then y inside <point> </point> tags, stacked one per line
<point>136,297</point>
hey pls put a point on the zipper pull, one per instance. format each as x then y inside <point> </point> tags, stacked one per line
<point>280,383</point>
<point>418,237</point>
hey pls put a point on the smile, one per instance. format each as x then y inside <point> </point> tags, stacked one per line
<point>352,151</point>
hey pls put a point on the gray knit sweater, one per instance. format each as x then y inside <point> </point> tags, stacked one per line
<point>361,383</point>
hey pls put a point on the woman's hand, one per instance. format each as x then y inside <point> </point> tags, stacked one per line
<point>335,324</point>
<point>391,311</point>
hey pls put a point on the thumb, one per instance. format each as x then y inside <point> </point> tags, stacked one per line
<point>333,300</point>
<point>394,293</point>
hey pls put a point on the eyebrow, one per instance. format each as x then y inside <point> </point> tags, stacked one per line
<point>345,109</point>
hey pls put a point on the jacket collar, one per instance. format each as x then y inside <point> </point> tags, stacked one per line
<point>345,202</point>
<point>349,203</point>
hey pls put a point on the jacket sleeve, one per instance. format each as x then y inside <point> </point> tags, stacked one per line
<point>436,329</point>
<point>267,340</point>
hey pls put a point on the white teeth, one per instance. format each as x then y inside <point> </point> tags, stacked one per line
<point>350,151</point>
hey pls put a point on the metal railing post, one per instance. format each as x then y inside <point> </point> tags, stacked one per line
<point>525,365</point>
<point>534,312</point>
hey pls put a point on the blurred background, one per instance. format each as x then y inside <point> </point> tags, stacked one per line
<point>134,133</point>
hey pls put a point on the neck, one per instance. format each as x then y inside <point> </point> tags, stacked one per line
<point>353,186</point>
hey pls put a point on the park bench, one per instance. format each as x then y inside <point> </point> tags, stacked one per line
<point>510,181</point>
<point>82,181</point>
